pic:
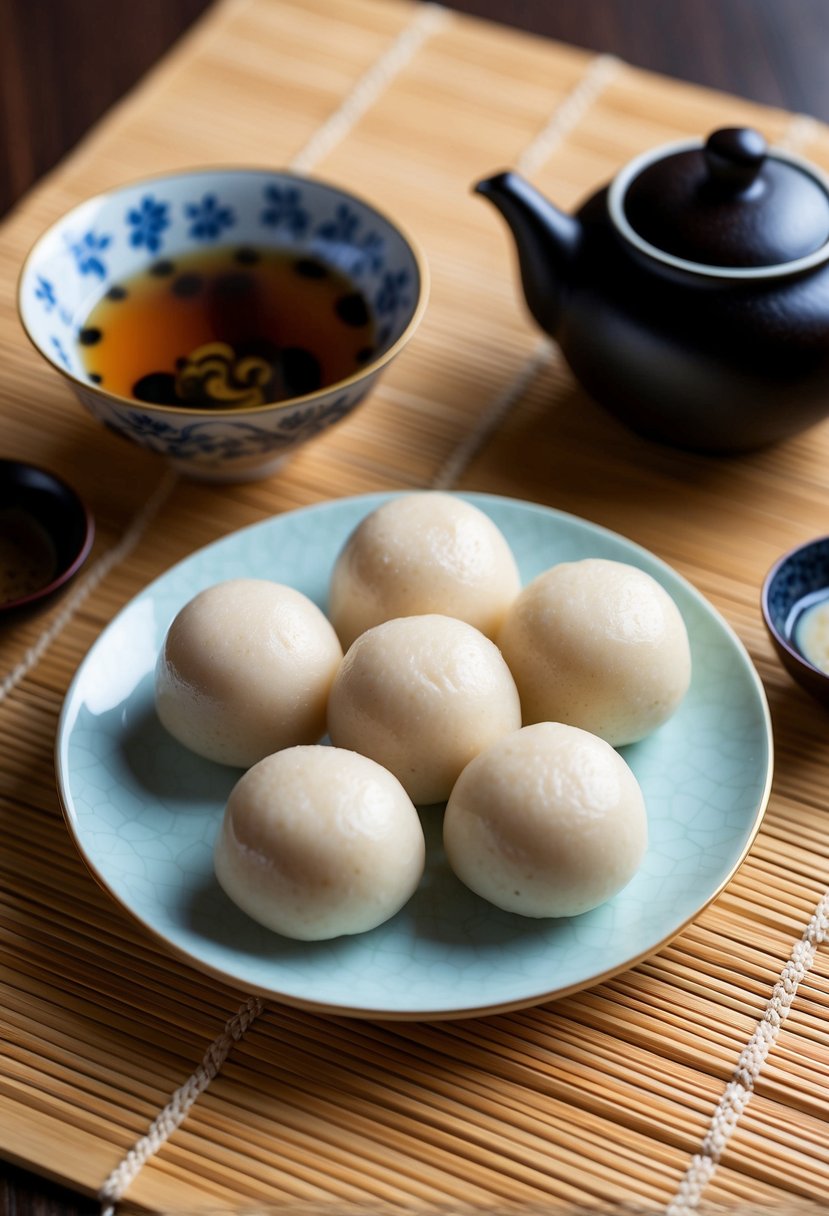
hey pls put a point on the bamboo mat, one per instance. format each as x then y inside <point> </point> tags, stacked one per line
<point>699,1078</point>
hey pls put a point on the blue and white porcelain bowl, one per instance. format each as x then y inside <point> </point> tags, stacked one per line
<point>116,235</point>
<point>797,581</point>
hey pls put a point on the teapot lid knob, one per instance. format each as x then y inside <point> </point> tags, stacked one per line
<point>734,156</point>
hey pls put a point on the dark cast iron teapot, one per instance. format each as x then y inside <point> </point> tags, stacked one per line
<point>690,297</point>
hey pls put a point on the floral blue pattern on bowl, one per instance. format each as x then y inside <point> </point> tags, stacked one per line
<point>795,578</point>
<point>116,235</point>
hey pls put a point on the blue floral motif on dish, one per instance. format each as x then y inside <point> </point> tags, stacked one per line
<point>370,255</point>
<point>314,418</point>
<point>392,293</point>
<point>246,439</point>
<point>61,353</point>
<point>87,251</point>
<point>208,218</point>
<point>45,292</point>
<point>342,228</point>
<point>285,210</point>
<point>196,439</point>
<point>148,220</point>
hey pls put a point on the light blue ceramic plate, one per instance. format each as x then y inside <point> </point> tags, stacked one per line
<point>144,811</point>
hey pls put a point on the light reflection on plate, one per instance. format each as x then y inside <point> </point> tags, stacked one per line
<point>144,811</point>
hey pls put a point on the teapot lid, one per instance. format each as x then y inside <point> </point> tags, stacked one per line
<point>729,207</point>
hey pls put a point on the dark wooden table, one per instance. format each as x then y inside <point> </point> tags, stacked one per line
<point>64,62</point>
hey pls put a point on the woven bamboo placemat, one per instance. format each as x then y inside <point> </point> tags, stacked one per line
<point>701,1076</point>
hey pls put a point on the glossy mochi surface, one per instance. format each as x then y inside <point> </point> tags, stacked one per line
<point>423,553</point>
<point>597,644</point>
<point>549,821</point>
<point>144,811</point>
<point>317,842</point>
<point>422,695</point>
<point>244,670</point>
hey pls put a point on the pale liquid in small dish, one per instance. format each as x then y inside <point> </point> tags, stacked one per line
<point>808,628</point>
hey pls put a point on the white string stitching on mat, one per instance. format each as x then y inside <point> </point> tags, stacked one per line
<point>370,85</point>
<point>737,1093</point>
<point>598,76</point>
<point>800,131</point>
<point>366,91</point>
<point>492,417</point>
<point>85,586</point>
<point>567,114</point>
<point>167,1120</point>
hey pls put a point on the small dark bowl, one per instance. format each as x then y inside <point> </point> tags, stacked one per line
<point>801,572</point>
<point>32,498</point>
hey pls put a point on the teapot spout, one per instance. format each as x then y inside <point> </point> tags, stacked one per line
<point>547,241</point>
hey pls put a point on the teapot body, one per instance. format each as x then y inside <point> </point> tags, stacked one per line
<point>701,362</point>
<point>691,295</point>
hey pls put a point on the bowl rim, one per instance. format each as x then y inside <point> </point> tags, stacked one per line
<point>779,638</point>
<point>181,411</point>
<point>84,513</point>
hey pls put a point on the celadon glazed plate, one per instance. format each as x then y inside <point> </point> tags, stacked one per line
<point>144,811</point>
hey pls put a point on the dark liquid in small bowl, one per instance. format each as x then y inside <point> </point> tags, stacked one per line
<point>46,533</point>
<point>228,328</point>
<point>28,558</point>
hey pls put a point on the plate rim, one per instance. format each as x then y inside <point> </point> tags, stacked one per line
<point>327,1008</point>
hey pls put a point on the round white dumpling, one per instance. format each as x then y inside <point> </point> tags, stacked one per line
<point>317,842</point>
<point>549,821</point>
<point>245,669</point>
<point>423,553</point>
<point>422,695</point>
<point>597,644</point>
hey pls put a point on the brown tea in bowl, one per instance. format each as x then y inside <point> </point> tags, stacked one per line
<point>228,328</point>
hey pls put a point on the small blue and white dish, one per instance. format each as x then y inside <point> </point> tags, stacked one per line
<point>795,606</point>
<point>145,227</point>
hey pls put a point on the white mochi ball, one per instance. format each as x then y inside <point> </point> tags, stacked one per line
<point>422,695</point>
<point>423,553</point>
<point>597,644</point>
<point>245,669</point>
<point>317,842</point>
<point>549,821</point>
